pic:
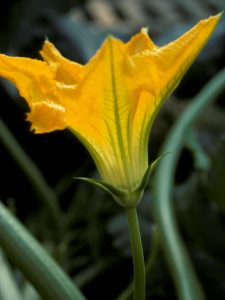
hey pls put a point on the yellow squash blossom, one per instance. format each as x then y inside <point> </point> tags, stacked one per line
<point>111,102</point>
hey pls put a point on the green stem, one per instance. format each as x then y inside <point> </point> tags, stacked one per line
<point>137,253</point>
<point>32,259</point>
<point>154,250</point>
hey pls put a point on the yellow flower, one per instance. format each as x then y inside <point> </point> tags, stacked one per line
<point>111,102</point>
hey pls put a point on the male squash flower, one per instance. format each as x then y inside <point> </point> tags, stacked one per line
<point>111,102</point>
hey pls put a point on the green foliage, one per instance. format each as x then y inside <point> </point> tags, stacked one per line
<point>8,287</point>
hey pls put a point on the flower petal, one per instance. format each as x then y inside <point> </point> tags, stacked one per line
<point>174,59</point>
<point>154,73</point>
<point>139,43</point>
<point>35,83</point>
<point>101,108</point>
<point>67,71</point>
<point>165,66</point>
<point>28,75</point>
<point>46,117</point>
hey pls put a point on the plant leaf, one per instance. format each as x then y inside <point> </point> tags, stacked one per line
<point>8,286</point>
<point>149,172</point>
<point>109,189</point>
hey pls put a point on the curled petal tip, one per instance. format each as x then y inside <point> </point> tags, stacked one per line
<point>46,117</point>
<point>214,19</point>
<point>144,30</point>
<point>219,15</point>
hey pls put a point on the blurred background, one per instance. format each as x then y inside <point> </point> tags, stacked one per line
<point>93,245</point>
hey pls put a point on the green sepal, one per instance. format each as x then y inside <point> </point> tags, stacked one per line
<point>109,189</point>
<point>124,198</point>
<point>149,172</point>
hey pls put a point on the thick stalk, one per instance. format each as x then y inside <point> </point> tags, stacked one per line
<point>150,263</point>
<point>137,254</point>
